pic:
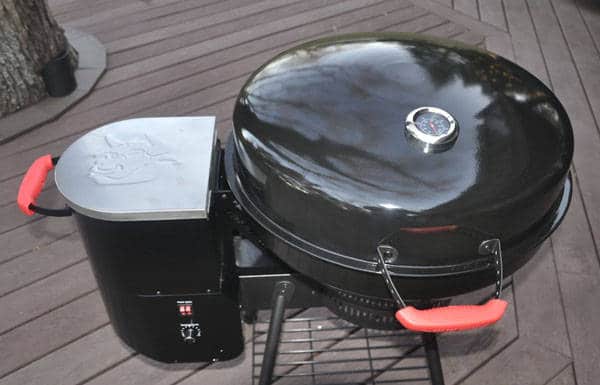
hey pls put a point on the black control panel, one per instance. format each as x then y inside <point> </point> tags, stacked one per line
<point>201,327</point>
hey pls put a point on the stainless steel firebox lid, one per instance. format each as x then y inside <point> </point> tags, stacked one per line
<point>141,169</point>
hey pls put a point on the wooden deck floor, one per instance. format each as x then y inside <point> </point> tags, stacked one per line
<point>185,57</point>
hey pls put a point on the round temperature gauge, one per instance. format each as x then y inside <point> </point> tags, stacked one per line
<point>432,127</point>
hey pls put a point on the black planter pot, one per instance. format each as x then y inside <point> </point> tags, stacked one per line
<point>59,76</point>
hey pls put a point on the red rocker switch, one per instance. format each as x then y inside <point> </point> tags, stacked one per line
<point>185,308</point>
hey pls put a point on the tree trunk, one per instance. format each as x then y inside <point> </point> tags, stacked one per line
<point>29,38</point>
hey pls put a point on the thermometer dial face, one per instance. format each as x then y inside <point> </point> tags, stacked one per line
<point>432,123</point>
<point>431,126</point>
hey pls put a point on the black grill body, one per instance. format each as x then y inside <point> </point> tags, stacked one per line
<point>147,270</point>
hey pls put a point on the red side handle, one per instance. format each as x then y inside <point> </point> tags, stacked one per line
<point>452,318</point>
<point>33,182</point>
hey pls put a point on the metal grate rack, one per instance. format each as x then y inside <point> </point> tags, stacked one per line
<point>316,347</point>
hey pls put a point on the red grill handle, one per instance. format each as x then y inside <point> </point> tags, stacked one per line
<point>32,185</point>
<point>33,182</point>
<point>452,318</point>
<point>448,318</point>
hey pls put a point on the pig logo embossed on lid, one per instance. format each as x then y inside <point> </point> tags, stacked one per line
<point>129,161</point>
<point>141,169</point>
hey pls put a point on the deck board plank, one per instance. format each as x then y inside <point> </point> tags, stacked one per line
<point>566,377</point>
<point>469,37</point>
<point>581,293</point>
<point>472,23</point>
<point>41,297</point>
<point>263,46</point>
<point>523,362</point>
<point>223,14</point>
<point>468,7</point>
<point>14,218</point>
<point>41,263</point>
<point>541,316</point>
<point>447,30</point>
<point>222,42</point>
<point>36,235</point>
<point>590,12</point>
<point>572,242</point>
<point>447,3</point>
<point>492,12</point>
<point>527,51</point>
<point>99,11</point>
<point>156,13</point>
<point>569,89</point>
<point>141,371</point>
<point>587,64</point>
<point>155,18</point>
<point>221,57</point>
<point>187,35</point>
<point>74,363</point>
<point>51,331</point>
<point>63,9</point>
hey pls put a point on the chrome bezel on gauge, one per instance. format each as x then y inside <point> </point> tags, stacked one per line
<point>431,141</point>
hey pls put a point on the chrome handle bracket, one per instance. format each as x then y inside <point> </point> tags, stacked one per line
<point>385,254</point>
<point>493,247</point>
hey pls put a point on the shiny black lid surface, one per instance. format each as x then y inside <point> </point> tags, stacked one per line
<point>323,153</point>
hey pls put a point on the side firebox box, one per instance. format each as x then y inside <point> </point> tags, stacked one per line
<point>142,195</point>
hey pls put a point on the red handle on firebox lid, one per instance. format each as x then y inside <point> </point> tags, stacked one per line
<point>452,318</point>
<point>33,182</point>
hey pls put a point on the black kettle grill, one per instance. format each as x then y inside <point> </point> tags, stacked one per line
<point>376,174</point>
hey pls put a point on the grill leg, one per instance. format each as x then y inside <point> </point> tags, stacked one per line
<point>433,358</point>
<point>281,297</point>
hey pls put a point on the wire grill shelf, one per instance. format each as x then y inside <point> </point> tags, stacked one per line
<point>326,350</point>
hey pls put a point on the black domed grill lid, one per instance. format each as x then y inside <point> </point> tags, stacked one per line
<point>323,154</point>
